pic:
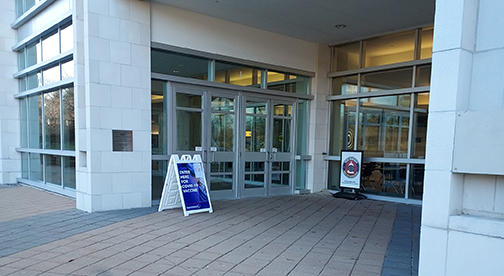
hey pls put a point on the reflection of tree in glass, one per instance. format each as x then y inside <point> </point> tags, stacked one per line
<point>52,119</point>
<point>222,131</point>
<point>68,118</point>
<point>67,70</point>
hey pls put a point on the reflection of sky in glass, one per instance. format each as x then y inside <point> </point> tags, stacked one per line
<point>33,54</point>
<point>34,80</point>
<point>21,60</point>
<point>66,39</point>
<point>67,70</point>
<point>50,47</point>
<point>51,75</point>
<point>22,84</point>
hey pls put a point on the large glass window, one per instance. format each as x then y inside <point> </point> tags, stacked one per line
<point>381,112</point>
<point>345,85</point>
<point>51,75</point>
<point>222,123</point>
<point>384,125</point>
<point>33,54</point>
<point>188,117</point>
<point>36,166</point>
<point>420,114</point>
<point>66,38</point>
<point>384,178</point>
<point>23,110</point>
<point>426,39</point>
<point>47,76</point>
<point>158,113</point>
<point>334,175</point>
<point>287,82</point>
<point>237,74</point>
<point>423,75</point>
<point>67,70</point>
<point>389,49</point>
<point>47,118</point>
<point>346,57</point>
<point>188,129</point>
<point>416,181</point>
<point>23,6</point>
<point>383,50</point>
<point>387,80</point>
<point>52,120</point>
<point>186,66</point>
<point>69,172</point>
<point>189,66</point>
<point>159,168</point>
<point>35,121</point>
<point>301,143</point>
<point>25,169</point>
<point>21,59</point>
<point>46,47</point>
<point>48,123</point>
<point>68,119</point>
<point>53,169</point>
<point>342,127</point>
<point>50,46</point>
<point>34,80</point>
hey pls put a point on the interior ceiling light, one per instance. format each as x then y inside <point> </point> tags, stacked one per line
<point>340,26</point>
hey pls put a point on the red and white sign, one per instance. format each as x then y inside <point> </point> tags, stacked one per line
<point>351,165</point>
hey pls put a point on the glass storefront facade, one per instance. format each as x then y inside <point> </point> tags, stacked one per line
<point>46,98</point>
<point>230,120</point>
<point>379,105</point>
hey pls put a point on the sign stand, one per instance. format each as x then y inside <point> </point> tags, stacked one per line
<point>185,186</point>
<point>350,175</point>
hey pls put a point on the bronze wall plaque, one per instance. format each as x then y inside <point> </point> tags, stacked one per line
<point>122,140</point>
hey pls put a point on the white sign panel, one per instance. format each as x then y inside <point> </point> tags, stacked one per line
<point>351,166</point>
<point>185,186</point>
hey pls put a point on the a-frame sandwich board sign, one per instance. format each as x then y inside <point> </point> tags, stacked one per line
<point>185,186</point>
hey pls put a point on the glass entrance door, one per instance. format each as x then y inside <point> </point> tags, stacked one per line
<point>220,149</point>
<point>205,125</point>
<point>281,160</point>
<point>255,152</point>
<point>268,148</point>
<point>245,141</point>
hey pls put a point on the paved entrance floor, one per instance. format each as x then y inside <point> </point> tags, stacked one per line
<point>312,234</point>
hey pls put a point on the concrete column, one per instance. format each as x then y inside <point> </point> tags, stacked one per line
<point>319,121</point>
<point>454,40</point>
<point>112,93</point>
<point>10,160</point>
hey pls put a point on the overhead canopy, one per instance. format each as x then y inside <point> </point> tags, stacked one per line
<point>315,21</point>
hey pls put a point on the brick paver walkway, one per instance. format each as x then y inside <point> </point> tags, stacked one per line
<point>289,235</point>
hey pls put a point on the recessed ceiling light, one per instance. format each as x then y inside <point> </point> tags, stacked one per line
<point>340,26</point>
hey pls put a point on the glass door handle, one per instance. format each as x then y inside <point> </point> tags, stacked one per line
<point>212,151</point>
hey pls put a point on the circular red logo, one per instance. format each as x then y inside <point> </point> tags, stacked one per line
<point>351,167</point>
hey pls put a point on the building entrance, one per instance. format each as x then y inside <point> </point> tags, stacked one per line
<point>245,141</point>
<point>267,151</point>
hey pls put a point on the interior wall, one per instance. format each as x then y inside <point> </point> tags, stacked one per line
<point>177,27</point>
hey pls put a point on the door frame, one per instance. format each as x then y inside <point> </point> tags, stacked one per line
<point>240,97</point>
<point>269,155</point>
